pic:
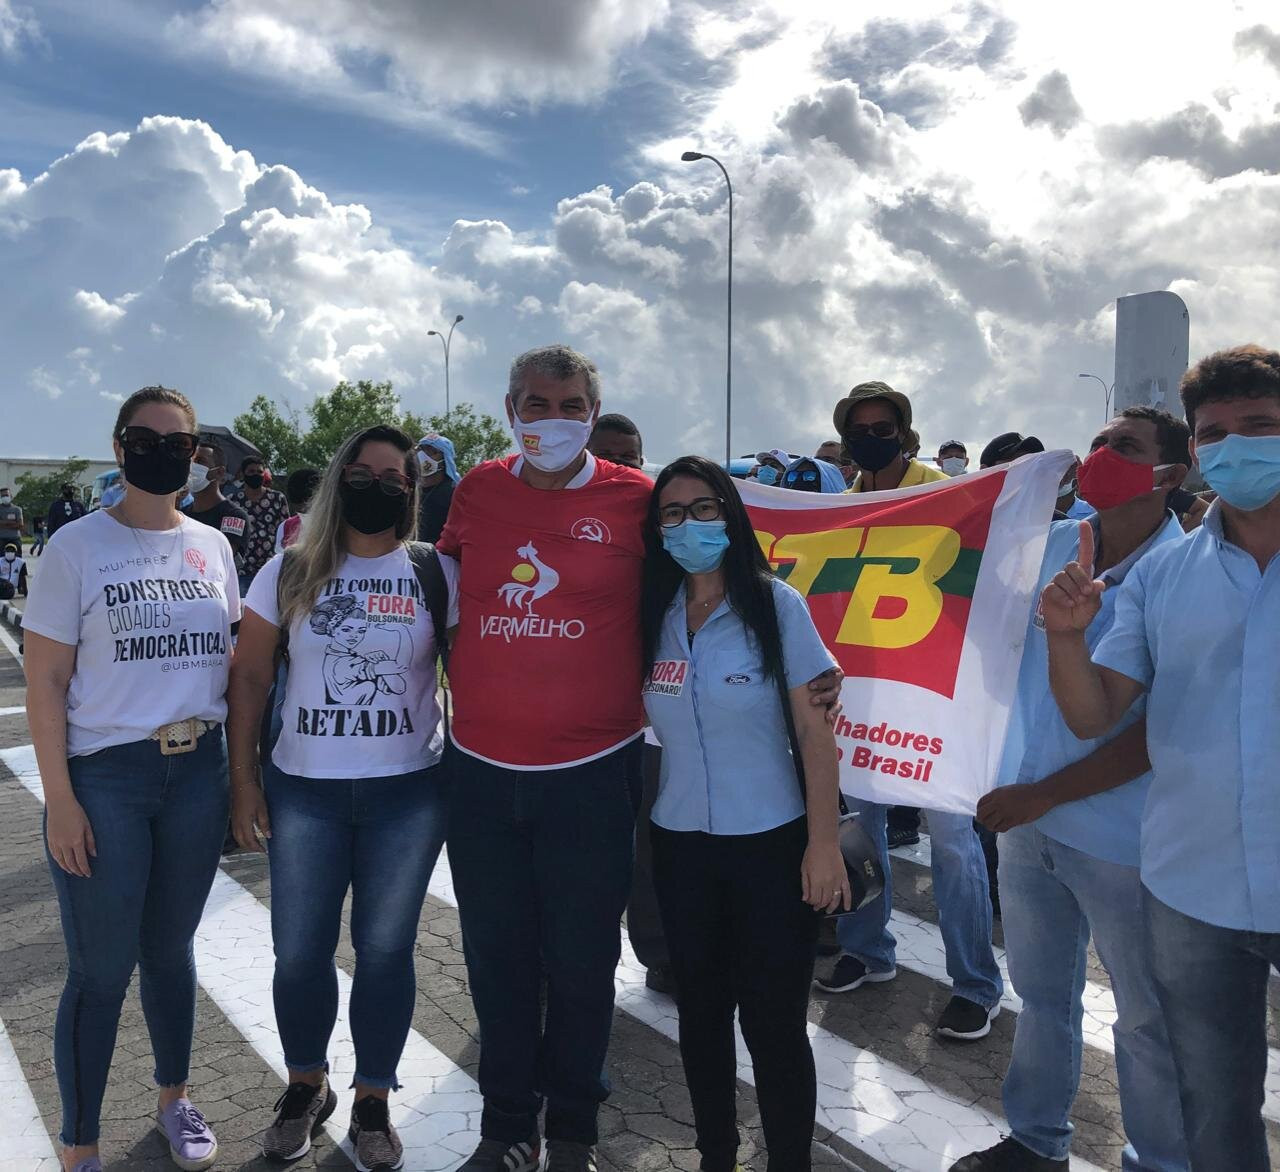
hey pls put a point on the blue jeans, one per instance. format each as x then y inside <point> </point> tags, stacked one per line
<point>380,838</point>
<point>542,869</point>
<point>1052,897</point>
<point>1212,985</point>
<point>158,823</point>
<point>959,889</point>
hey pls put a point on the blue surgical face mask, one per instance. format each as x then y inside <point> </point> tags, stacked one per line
<point>698,546</point>
<point>767,474</point>
<point>1244,470</point>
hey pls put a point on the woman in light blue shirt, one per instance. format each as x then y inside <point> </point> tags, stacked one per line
<point>743,859</point>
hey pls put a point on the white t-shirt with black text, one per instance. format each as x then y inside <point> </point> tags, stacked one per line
<point>149,613</point>
<point>360,698</point>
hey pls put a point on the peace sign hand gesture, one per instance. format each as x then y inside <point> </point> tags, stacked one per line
<point>1072,600</point>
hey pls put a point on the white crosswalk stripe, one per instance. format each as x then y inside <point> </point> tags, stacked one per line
<point>438,1116</point>
<point>893,1115</point>
<point>24,1143</point>
<point>920,949</point>
<point>872,1104</point>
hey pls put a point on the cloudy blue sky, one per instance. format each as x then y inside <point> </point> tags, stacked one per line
<point>259,196</point>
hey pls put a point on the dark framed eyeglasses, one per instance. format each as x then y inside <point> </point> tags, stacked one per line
<point>391,482</point>
<point>705,508</point>
<point>801,476</point>
<point>881,429</point>
<point>142,441</point>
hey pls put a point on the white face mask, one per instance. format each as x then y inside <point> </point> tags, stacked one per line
<point>428,465</point>
<point>551,445</point>
<point>9,555</point>
<point>197,479</point>
<point>1066,490</point>
<point>954,465</point>
<point>4,500</point>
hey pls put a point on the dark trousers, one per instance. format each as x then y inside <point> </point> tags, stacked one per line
<point>644,920</point>
<point>541,868</point>
<point>1212,987</point>
<point>741,938</point>
<point>904,818</point>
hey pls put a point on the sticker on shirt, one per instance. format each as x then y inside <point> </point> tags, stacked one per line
<point>667,678</point>
<point>233,525</point>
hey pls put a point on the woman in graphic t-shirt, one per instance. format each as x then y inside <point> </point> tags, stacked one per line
<point>352,795</point>
<point>128,646</point>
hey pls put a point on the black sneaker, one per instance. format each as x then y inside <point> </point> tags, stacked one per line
<point>966,1021</point>
<point>660,979</point>
<point>493,1155</point>
<point>565,1156</point>
<point>377,1146</point>
<point>301,1113</point>
<point>849,974</point>
<point>899,838</point>
<point>1007,1156</point>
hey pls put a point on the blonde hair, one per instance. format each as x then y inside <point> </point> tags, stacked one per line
<point>314,560</point>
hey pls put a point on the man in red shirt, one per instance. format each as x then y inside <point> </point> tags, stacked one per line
<point>546,676</point>
<point>546,672</point>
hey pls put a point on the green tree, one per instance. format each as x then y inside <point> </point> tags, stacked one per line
<point>476,436</point>
<point>286,444</point>
<point>348,407</point>
<point>35,493</point>
<point>278,437</point>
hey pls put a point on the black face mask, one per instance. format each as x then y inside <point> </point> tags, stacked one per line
<point>370,510</point>
<point>254,479</point>
<point>158,472</point>
<point>873,453</point>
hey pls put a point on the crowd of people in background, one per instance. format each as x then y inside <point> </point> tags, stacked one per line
<point>616,645</point>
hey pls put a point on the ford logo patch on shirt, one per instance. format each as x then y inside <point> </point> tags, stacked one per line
<point>737,679</point>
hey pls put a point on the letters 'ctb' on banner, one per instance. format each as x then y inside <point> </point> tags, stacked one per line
<point>923,596</point>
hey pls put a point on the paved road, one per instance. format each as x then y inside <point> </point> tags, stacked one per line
<point>892,1096</point>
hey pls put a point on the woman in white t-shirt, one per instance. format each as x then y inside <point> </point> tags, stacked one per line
<point>352,795</point>
<point>128,648</point>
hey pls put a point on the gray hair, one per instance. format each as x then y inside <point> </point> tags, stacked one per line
<point>559,362</point>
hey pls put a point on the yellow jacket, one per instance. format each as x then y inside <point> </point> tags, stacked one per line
<point>915,474</point>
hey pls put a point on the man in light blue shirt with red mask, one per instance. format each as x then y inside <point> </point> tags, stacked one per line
<point>1197,627</point>
<point>1070,812</point>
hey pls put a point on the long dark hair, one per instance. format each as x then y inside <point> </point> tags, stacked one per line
<point>748,579</point>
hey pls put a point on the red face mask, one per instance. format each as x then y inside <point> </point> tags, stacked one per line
<point>1107,480</point>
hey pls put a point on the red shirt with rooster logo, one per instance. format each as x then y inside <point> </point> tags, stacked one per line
<point>546,668</point>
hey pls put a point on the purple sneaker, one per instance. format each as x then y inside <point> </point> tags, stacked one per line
<point>191,1143</point>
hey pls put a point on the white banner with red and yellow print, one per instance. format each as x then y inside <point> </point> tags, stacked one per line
<point>923,596</point>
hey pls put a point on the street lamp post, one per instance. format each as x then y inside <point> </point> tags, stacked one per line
<point>693,157</point>
<point>1106,391</point>
<point>446,343</point>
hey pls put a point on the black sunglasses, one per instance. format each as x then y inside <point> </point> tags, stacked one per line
<point>705,508</point>
<point>142,441</point>
<point>391,482</point>
<point>881,429</point>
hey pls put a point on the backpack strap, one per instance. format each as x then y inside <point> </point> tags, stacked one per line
<point>435,592</point>
<point>282,648</point>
